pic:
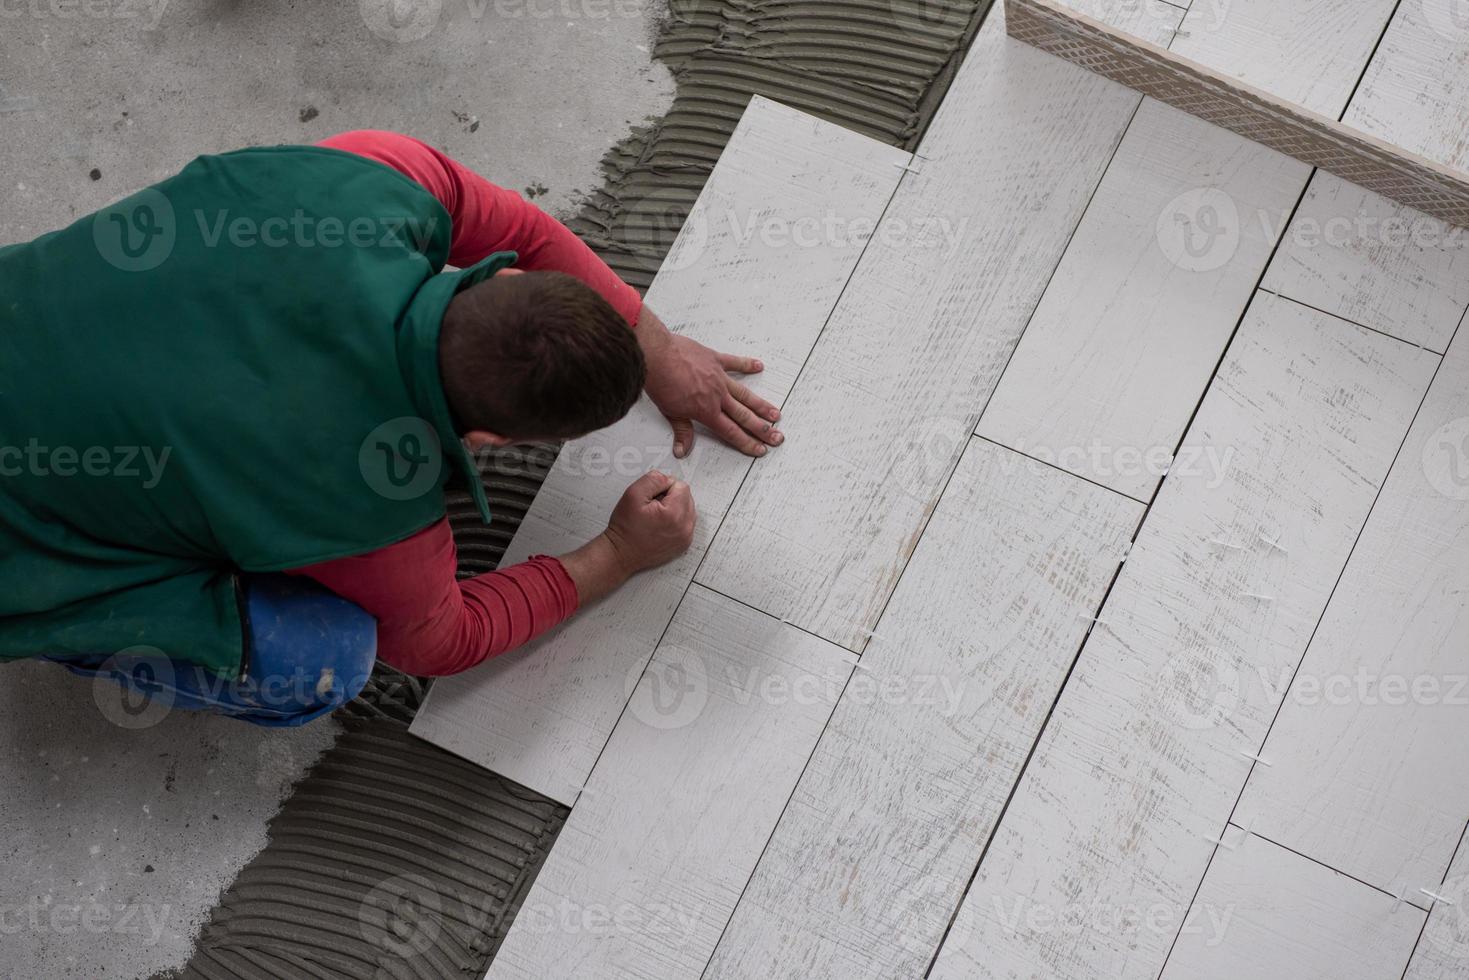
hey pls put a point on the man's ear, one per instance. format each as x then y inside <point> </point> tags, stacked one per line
<point>480,439</point>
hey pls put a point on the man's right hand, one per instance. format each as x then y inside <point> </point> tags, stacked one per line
<point>653,523</point>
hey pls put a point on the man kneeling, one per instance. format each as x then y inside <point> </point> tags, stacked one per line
<point>274,329</point>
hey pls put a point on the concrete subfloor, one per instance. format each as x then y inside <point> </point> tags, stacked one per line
<point>528,92</point>
<point>118,838</point>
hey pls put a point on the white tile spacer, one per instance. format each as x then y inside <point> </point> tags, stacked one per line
<point>1437,897</point>
<point>1399,898</point>
<point>859,665</point>
<point>1220,842</point>
<point>1257,597</point>
<point>908,167</point>
<point>1226,544</point>
<point>1250,755</point>
<point>1094,620</point>
<point>1274,545</point>
<point>1126,553</point>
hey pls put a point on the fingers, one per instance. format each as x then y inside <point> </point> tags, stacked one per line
<point>727,429</point>
<point>751,423</point>
<point>650,485</point>
<point>754,402</point>
<point>680,502</point>
<point>740,365</point>
<point>683,437</point>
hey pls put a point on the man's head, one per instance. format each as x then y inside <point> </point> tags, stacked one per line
<point>538,355</point>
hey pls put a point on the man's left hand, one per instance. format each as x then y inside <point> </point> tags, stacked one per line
<point>688,382</point>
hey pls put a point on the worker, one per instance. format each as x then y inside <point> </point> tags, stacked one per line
<point>232,399</point>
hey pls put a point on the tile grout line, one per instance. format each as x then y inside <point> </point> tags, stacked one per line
<point>1322,864</point>
<point>970,436</point>
<point>1413,953</point>
<point>972,429</point>
<point>693,578</point>
<point>1059,468</point>
<point>795,380</point>
<point>815,746</point>
<point>1306,652</point>
<point>1337,316</point>
<point>852,667</point>
<point>1366,519</point>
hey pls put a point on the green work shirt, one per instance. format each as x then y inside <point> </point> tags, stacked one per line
<point>235,370</point>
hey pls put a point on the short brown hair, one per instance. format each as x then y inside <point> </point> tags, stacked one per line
<point>537,356</point>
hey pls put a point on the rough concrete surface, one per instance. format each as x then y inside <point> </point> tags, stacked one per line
<point>101,97</point>
<point>118,839</point>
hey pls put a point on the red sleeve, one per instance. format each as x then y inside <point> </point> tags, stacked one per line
<point>430,625</point>
<point>488,218</point>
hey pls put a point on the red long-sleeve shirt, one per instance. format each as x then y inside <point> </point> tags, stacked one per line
<point>429,624</point>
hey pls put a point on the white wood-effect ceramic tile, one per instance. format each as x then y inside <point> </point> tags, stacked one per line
<point>541,714</point>
<point>1142,762</point>
<point>885,827</point>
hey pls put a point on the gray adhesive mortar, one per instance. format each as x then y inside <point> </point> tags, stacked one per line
<point>878,67</point>
<point>393,858</point>
<point>390,859</point>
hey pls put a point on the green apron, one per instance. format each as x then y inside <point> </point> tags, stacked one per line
<point>235,370</point>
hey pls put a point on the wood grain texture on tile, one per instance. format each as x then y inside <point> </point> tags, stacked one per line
<point>1252,112</point>
<point>1133,324</point>
<point>745,275</point>
<point>821,531</point>
<point>871,858</point>
<point>1378,716</point>
<point>1367,258</point>
<point>649,865</point>
<point>1141,763</point>
<point>1264,911</point>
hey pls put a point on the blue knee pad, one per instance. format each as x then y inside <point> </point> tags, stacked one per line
<point>311,652</point>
